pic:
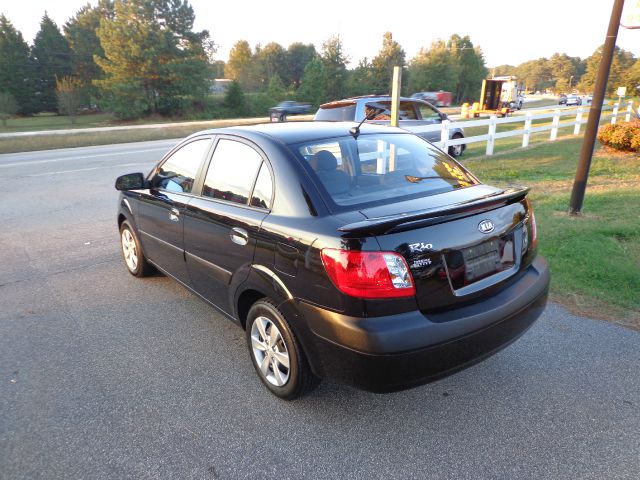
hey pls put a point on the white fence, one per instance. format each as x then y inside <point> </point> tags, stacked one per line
<point>579,116</point>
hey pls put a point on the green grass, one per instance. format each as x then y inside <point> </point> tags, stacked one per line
<point>56,122</point>
<point>594,258</point>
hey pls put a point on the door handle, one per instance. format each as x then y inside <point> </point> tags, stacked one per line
<point>173,216</point>
<point>239,236</point>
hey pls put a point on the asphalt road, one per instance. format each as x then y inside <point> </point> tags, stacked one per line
<point>106,376</point>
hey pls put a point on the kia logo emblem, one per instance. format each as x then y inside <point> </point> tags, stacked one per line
<point>486,226</point>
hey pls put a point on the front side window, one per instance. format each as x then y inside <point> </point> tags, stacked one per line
<point>232,172</point>
<point>430,114</point>
<point>377,168</point>
<point>178,172</point>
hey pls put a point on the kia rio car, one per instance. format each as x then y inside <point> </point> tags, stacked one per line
<point>358,253</point>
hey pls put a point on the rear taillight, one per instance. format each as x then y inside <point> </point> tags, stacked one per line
<point>368,274</point>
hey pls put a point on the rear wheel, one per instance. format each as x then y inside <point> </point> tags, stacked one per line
<point>276,354</point>
<point>132,252</point>
<point>456,150</point>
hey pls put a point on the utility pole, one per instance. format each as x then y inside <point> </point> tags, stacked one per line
<point>584,164</point>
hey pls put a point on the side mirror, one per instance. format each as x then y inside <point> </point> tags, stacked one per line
<point>444,116</point>
<point>131,181</point>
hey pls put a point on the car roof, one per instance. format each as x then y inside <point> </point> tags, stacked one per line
<point>368,98</point>
<point>296,132</point>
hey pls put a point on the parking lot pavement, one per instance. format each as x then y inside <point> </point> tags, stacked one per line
<point>103,375</point>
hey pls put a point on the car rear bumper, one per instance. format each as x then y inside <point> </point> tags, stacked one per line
<point>395,352</point>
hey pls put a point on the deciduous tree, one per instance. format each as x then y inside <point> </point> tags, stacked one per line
<point>434,68</point>
<point>69,92</point>
<point>239,65</point>
<point>470,68</point>
<point>8,107</point>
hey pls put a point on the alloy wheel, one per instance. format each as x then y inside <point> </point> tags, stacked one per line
<point>270,351</point>
<point>129,250</point>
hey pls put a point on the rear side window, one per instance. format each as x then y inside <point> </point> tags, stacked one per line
<point>263,190</point>
<point>178,172</point>
<point>232,172</point>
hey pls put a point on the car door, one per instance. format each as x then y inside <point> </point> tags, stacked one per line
<point>222,225</point>
<point>162,207</point>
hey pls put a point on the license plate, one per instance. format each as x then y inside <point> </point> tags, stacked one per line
<point>487,258</point>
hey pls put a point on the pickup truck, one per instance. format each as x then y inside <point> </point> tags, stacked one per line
<point>288,107</point>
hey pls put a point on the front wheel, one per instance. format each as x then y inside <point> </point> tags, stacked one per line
<point>275,353</point>
<point>456,150</point>
<point>132,252</point>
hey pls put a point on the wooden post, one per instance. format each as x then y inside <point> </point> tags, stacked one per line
<point>586,151</point>
<point>554,129</point>
<point>395,111</point>
<point>395,95</point>
<point>627,117</point>
<point>492,134</point>
<point>615,113</point>
<point>576,129</point>
<point>527,131</point>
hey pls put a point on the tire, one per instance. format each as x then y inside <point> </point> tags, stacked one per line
<point>276,354</point>
<point>456,150</point>
<point>132,253</point>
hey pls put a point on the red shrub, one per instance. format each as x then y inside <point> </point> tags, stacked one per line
<point>621,136</point>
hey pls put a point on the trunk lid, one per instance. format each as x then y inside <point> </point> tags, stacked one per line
<point>458,245</point>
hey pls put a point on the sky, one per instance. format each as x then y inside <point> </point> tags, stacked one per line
<point>509,32</point>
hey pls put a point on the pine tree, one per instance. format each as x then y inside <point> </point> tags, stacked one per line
<point>80,32</point>
<point>14,67</point>
<point>52,58</point>
<point>153,62</point>
<point>298,56</point>
<point>313,86</point>
<point>391,55</point>
<point>335,62</point>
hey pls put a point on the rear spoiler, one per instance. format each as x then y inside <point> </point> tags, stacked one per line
<point>433,216</point>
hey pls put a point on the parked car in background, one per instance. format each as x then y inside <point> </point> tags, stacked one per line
<point>363,255</point>
<point>573,100</point>
<point>413,113</point>
<point>562,99</point>
<point>288,107</point>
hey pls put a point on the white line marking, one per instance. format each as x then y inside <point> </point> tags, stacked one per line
<point>81,157</point>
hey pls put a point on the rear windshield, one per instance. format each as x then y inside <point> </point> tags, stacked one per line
<point>342,113</point>
<point>381,168</point>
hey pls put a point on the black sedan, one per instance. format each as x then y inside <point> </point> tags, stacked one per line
<point>362,254</point>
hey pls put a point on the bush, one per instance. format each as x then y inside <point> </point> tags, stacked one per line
<point>621,136</point>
